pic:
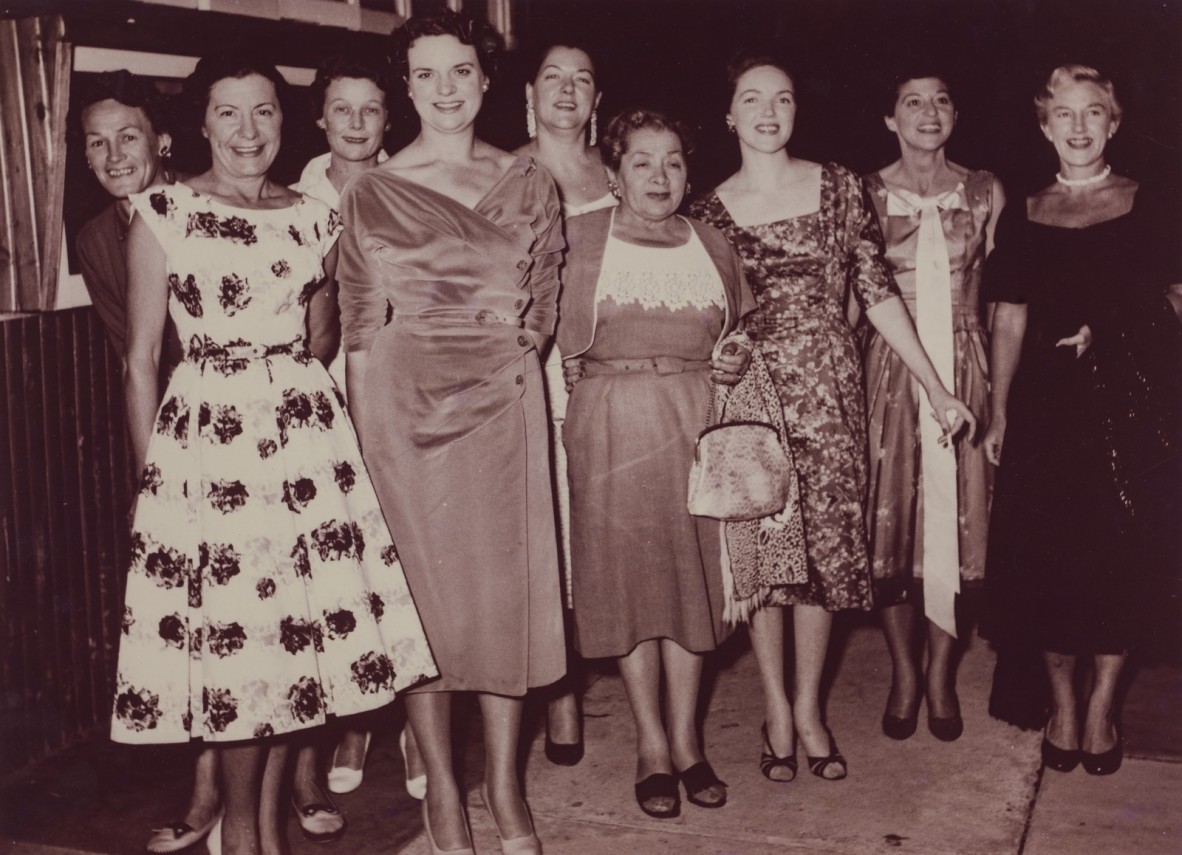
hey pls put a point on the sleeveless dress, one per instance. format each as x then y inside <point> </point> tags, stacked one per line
<point>801,270</point>
<point>643,567</point>
<point>895,512</point>
<point>456,428</point>
<point>264,591</point>
<point>1084,538</point>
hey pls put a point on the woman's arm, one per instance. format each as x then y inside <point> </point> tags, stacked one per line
<point>893,323</point>
<point>324,322</point>
<point>1009,328</point>
<point>147,309</point>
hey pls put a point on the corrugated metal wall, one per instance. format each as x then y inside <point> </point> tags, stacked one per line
<point>65,489</point>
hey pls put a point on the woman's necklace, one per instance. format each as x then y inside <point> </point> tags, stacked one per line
<point>1084,182</point>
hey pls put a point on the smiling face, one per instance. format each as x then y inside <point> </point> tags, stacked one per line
<point>652,174</point>
<point>121,148</point>
<point>1079,123</point>
<point>354,118</point>
<point>445,83</point>
<point>763,108</point>
<point>924,114</point>
<point>564,93</point>
<point>242,123</point>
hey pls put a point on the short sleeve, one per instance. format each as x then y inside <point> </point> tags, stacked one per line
<point>866,270</point>
<point>362,296</point>
<point>325,223</point>
<point>1005,270</point>
<point>164,213</point>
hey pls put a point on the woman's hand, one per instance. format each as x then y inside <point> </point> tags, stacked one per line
<point>952,414</point>
<point>730,365</point>
<point>572,372</point>
<point>993,439</point>
<point>1081,341</point>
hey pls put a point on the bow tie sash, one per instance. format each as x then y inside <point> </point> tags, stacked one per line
<point>938,507</point>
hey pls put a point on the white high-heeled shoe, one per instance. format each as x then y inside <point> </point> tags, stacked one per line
<point>416,787</point>
<point>343,779</point>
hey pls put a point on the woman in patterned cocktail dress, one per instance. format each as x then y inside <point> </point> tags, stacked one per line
<point>928,511</point>
<point>808,239</point>
<point>264,592</point>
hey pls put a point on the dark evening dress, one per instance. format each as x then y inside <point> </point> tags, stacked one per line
<point>1083,549</point>
<point>264,591</point>
<point>456,427</point>
<point>801,270</point>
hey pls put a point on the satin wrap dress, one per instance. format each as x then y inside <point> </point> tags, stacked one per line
<point>454,425</point>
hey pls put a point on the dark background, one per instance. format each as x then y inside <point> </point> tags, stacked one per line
<point>672,54</point>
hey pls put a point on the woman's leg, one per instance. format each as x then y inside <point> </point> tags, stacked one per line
<point>272,815</point>
<point>641,670</point>
<point>429,714</point>
<point>502,730</point>
<point>1063,725</point>
<point>941,678</point>
<point>898,627</point>
<point>563,726</point>
<point>242,778</point>
<point>811,628</point>
<point>683,679</point>
<point>1099,730</point>
<point>206,798</point>
<point>350,750</point>
<point>305,784</point>
<point>767,640</point>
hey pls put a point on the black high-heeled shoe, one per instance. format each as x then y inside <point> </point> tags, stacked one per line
<point>1106,762</point>
<point>946,729</point>
<point>699,778</point>
<point>660,785</point>
<point>564,753</point>
<point>1059,759</point>
<point>769,761</point>
<point>818,765</point>
<point>900,726</point>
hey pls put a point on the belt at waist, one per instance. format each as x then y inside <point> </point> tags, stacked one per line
<point>483,317</point>
<point>648,365</point>
<point>198,351</point>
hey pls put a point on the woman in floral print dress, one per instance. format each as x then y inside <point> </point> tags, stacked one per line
<point>808,239</point>
<point>264,591</point>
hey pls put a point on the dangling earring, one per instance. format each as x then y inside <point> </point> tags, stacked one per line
<point>613,187</point>
<point>594,128</point>
<point>730,124</point>
<point>531,121</point>
<point>166,152</point>
<point>689,188</point>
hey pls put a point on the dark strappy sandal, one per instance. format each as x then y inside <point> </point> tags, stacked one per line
<point>818,765</point>
<point>768,760</point>
<point>697,779</point>
<point>662,785</point>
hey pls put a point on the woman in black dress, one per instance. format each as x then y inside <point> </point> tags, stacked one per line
<point>1086,398</point>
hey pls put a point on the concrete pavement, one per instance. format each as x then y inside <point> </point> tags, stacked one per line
<point>983,794</point>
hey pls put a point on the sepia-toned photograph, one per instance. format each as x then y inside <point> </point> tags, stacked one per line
<point>672,427</point>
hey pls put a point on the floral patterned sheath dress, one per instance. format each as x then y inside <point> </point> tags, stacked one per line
<point>801,269</point>
<point>264,590</point>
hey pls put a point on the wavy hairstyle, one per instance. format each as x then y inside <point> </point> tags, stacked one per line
<point>466,30</point>
<point>1073,73</point>
<point>623,125</point>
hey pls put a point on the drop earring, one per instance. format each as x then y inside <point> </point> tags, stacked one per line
<point>531,121</point>
<point>166,152</point>
<point>594,129</point>
<point>730,124</point>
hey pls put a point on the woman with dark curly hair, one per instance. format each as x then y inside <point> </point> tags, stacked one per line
<point>809,241</point>
<point>264,592</point>
<point>647,296</point>
<point>464,242</point>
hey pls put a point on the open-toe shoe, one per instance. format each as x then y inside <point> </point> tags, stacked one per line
<point>179,835</point>
<point>818,765</point>
<point>319,821</point>
<point>769,761</point>
<point>661,785</point>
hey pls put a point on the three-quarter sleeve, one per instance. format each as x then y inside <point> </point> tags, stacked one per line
<point>362,296</point>
<point>866,270</point>
<point>542,314</point>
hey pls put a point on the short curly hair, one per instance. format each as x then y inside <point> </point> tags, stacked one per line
<point>466,30</point>
<point>217,67</point>
<point>744,61</point>
<point>1073,73</point>
<point>620,129</point>
<point>337,67</point>
<point>901,77</point>
<point>127,89</point>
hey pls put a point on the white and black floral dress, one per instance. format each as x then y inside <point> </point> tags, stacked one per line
<point>264,591</point>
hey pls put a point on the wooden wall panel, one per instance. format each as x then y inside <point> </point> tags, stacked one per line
<point>65,488</point>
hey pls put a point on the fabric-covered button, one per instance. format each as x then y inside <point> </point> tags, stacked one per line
<point>519,380</point>
<point>521,265</point>
<point>522,340</point>
<point>517,304</point>
<point>482,316</point>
